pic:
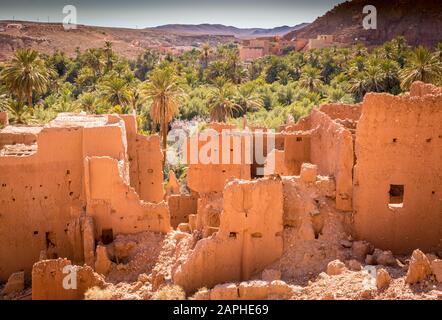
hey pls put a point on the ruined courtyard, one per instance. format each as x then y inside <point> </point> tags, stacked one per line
<point>347,205</point>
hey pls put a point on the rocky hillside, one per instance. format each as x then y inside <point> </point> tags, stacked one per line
<point>219,29</point>
<point>420,22</point>
<point>48,37</point>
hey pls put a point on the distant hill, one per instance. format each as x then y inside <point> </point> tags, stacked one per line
<point>219,29</point>
<point>48,37</point>
<point>420,22</point>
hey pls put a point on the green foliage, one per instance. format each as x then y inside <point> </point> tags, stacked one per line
<point>208,82</point>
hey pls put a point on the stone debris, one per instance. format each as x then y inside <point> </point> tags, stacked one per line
<point>383,278</point>
<point>16,282</point>
<point>419,268</point>
<point>335,267</point>
<point>436,269</point>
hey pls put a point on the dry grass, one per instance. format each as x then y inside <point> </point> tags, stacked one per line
<point>96,293</point>
<point>169,292</point>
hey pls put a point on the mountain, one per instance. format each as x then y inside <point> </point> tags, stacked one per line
<point>219,29</point>
<point>420,22</point>
<point>49,37</point>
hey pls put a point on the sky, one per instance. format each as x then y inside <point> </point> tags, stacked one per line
<point>149,13</point>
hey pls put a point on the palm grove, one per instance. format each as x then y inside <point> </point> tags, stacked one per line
<point>210,83</point>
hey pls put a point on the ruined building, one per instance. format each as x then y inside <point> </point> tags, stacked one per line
<point>88,190</point>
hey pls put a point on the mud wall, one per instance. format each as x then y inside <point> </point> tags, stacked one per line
<point>419,89</point>
<point>180,207</point>
<point>115,206</point>
<point>399,143</point>
<point>145,161</point>
<point>211,177</point>
<point>42,195</point>
<point>249,237</point>
<point>11,138</point>
<point>3,119</point>
<point>297,149</point>
<point>342,111</point>
<point>332,151</point>
<point>48,279</point>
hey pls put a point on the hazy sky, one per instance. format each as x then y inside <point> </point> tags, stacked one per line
<point>147,13</point>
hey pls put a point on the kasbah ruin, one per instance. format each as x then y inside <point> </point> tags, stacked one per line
<point>349,206</point>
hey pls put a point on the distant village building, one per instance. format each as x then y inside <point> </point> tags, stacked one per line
<point>18,26</point>
<point>321,41</point>
<point>257,48</point>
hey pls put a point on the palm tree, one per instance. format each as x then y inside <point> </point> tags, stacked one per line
<point>25,74</point>
<point>19,111</point>
<point>108,53</point>
<point>166,96</point>
<point>310,78</point>
<point>88,102</point>
<point>338,95</point>
<point>422,66</point>
<point>205,54</point>
<point>116,91</point>
<point>374,79</point>
<point>390,72</point>
<point>4,99</point>
<point>358,86</point>
<point>248,99</point>
<point>221,102</point>
<point>93,59</point>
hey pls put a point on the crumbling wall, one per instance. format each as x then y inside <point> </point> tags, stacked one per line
<point>275,164</point>
<point>115,206</point>
<point>211,177</point>
<point>398,174</point>
<point>54,280</point>
<point>303,124</point>
<point>297,149</point>
<point>332,150</point>
<point>180,207</point>
<point>4,119</point>
<point>18,135</point>
<point>40,196</point>
<point>210,206</point>
<point>42,193</point>
<point>342,111</point>
<point>419,88</point>
<point>313,229</point>
<point>145,161</point>
<point>249,237</point>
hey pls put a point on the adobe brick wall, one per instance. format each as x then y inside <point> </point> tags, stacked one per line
<point>399,142</point>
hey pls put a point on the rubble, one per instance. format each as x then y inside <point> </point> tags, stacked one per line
<point>335,267</point>
<point>16,282</point>
<point>419,268</point>
<point>383,278</point>
<point>436,269</point>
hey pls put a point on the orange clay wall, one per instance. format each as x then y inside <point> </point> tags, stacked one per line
<point>4,119</point>
<point>212,177</point>
<point>320,140</point>
<point>249,237</point>
<point>115,205</point>
<point>11,136</point>
<point>331,149</point>
<point>180,207</point>
<point>40,196</point>
<point>399,142</point>
<point>342,111</point>
<point>145,159</point>
<point>297,148</point>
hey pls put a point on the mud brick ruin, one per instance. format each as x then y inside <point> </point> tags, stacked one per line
<point>88,190</point>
